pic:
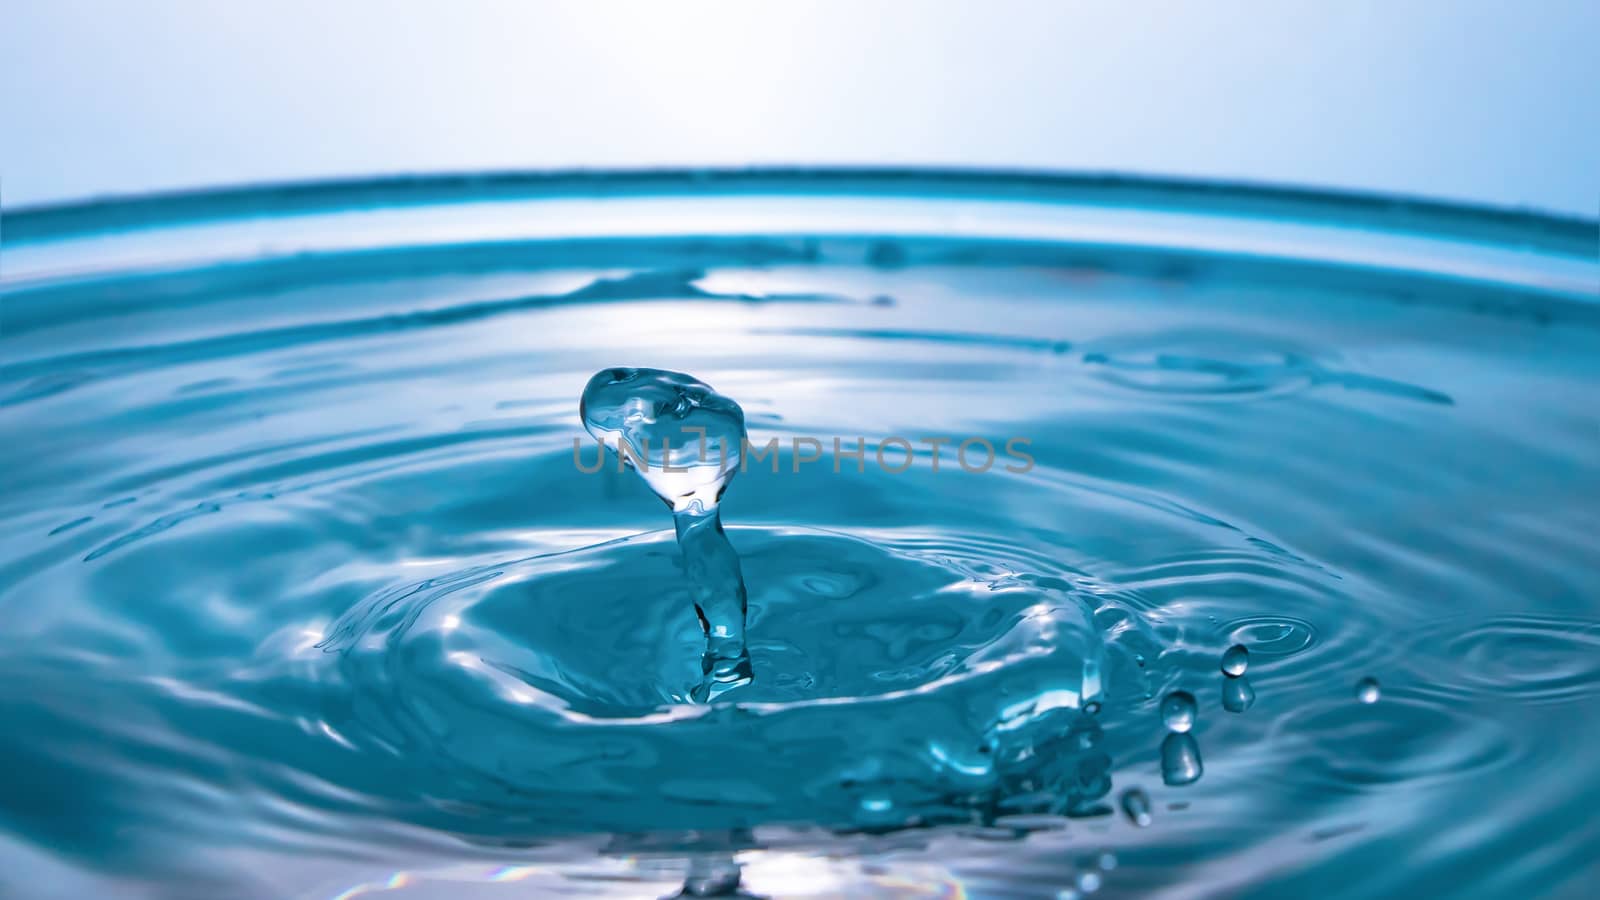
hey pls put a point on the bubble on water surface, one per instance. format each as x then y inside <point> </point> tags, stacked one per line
<point>1178,711</point>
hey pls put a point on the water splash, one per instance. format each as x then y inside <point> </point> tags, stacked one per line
<point>483,707</point>
<point>684,439</point>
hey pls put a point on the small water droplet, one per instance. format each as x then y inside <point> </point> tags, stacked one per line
<point>1136,806</point>
<point>1107,861</point>
<point>1237,694</point>
<point>1180,759</point>
<point>1367,690</point>
<point>1235,660</point>
<point>1177,711</point>
<point>1088,882</point>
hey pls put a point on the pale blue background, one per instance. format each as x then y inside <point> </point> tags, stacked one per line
<point>1495,102</point>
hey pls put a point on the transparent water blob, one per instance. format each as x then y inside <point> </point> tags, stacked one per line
<point>1178,711</point>
<point>1235,660</point>
<point>685,440</point>
<point>1180,759</point>
<point>1237,694</point>
<point>1367,690</point>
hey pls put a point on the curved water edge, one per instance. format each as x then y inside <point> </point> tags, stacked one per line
<point>297,563</point>
<point>1384,212</point>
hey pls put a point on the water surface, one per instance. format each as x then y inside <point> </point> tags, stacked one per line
<point>305,597</point>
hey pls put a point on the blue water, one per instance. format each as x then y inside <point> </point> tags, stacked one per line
<point>306,595</point>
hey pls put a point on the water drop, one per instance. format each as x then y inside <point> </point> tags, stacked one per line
<point>1088,882</point>
<point>1237,694</point>
<point>685,440</point>
<point>1180,759</point>
<point>1136,806</point>
<point>1106,861</point>
<point>1177,711</point>
<point>1367,690</point>
<point>1235,660</point>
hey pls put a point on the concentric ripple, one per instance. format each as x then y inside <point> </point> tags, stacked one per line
<point>1526,659</point>
<point>307,595</point>
<point>919,660</point>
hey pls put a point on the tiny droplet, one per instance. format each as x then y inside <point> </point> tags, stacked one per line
<point>1367,690</point>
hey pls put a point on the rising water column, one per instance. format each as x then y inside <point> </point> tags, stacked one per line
<point>684,439</point>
